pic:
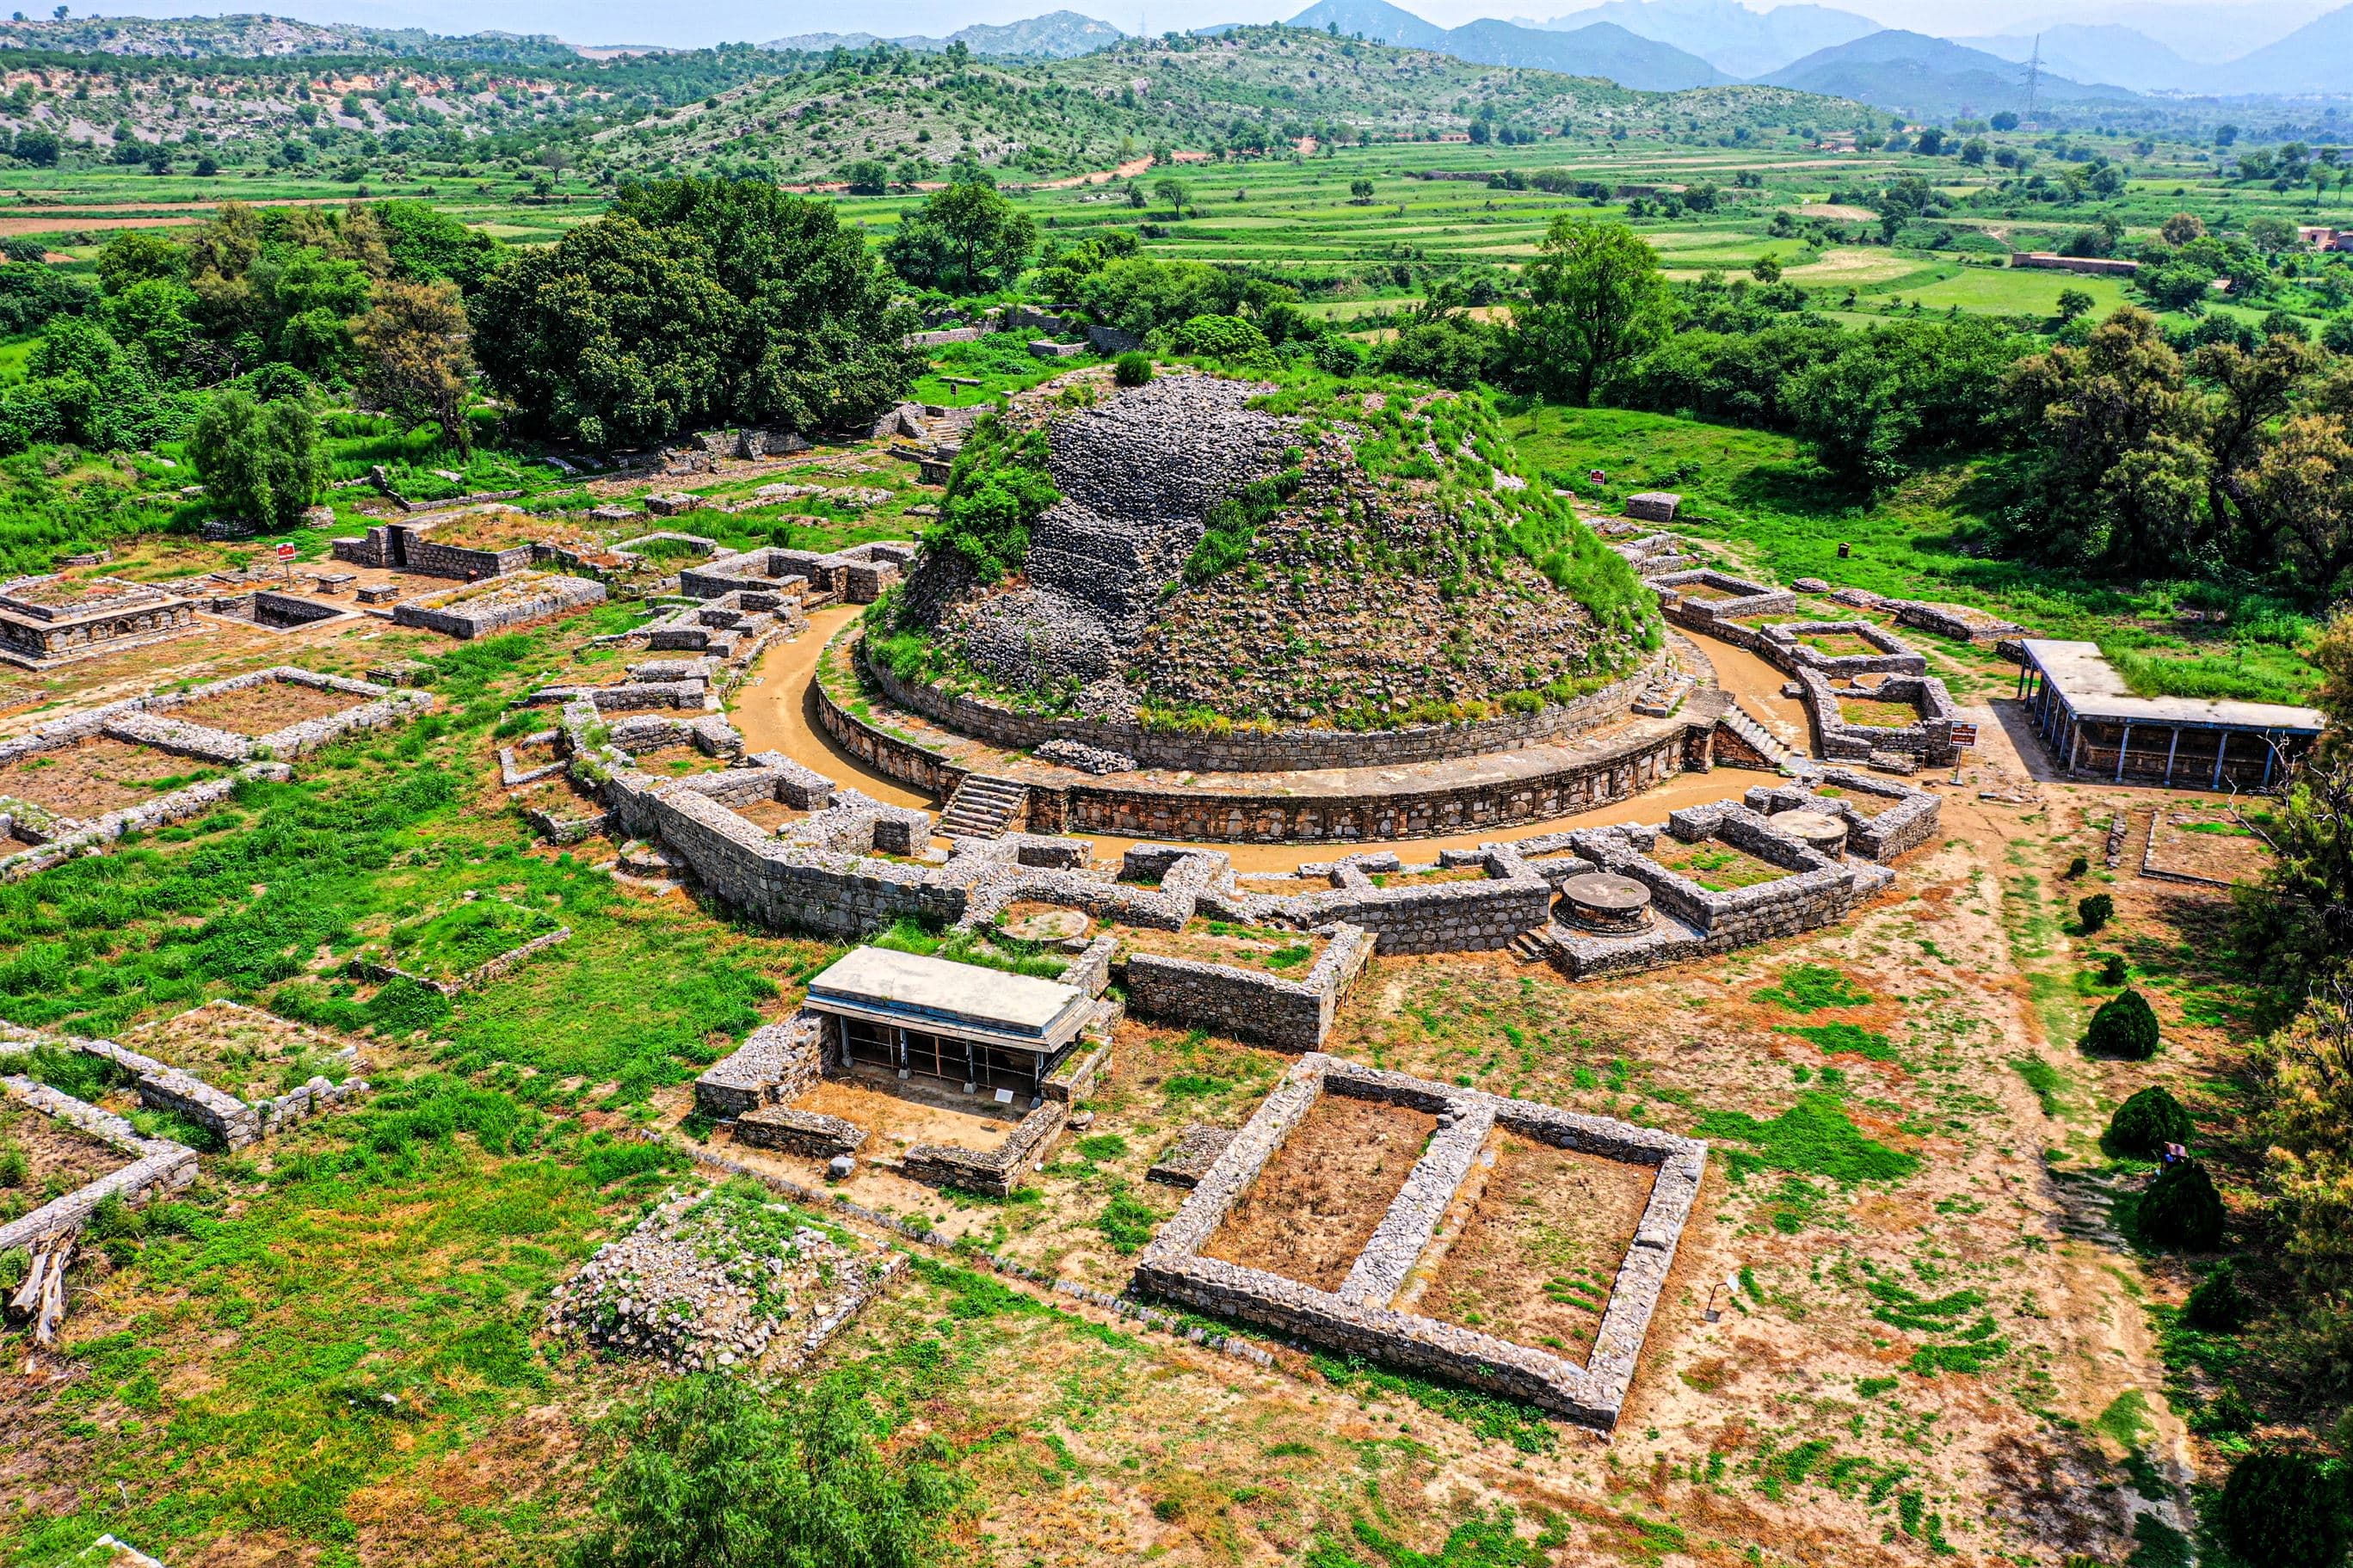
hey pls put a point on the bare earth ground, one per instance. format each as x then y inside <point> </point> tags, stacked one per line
<point>1318,1200</point>
<point>2203,841</point>
<point>1534,1260</point>
<point>260,710</point>
<point>241,1051</point>
<point>56,1155</point>
<point>90,778</point>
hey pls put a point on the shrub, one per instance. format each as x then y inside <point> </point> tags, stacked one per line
<point>14,1166</point>
<point>2078,866</point>
<point>1132,369</point>
<point>2282,1508</point>
<point>2122,1027</point>
<point>2218,1306</point>
<point>2181,1209</point>
<point>2095,912</point>
<point>260,461</point>
<point>2147,1122</point>
<point>2113,971</point>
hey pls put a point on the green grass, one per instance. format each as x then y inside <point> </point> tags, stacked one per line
<point>1812,987</point>
<point>454,942</point>
<point>1843,1039</point>
<point>1813,1137</point>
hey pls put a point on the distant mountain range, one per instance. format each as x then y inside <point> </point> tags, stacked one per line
<point>1732,38</point>
<point>1058,35</point>
<point>1928,78</point>
<point>2107,52</point>
<point>1602,49</point>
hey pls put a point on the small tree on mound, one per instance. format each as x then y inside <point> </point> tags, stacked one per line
<point>2147,1122</point>
<point>2281,1508</point>
<point>2218,1306</point>
<point>2124,1026</point>
<point>2181,1209</point>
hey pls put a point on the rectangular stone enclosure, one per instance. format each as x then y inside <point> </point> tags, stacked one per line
<point>1360,1315</point>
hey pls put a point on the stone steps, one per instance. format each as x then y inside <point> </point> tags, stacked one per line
<point>983,807</point>
<point>1534,946</point>
<point>1766,743</point>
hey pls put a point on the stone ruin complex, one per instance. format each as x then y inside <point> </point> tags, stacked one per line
<point>1362,1317</point>
<point>33,837</point>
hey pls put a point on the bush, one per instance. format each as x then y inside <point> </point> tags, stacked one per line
<point>1132,369</point>
<point>2095,912</point>
<point>2282,1508</point>
<point>2078,866</point>
<point>1223,338</point>
<point>2181,1209</point>
<point>2218,1306</point>
<point>2147,1122</point>
<point>715,1472</point>
<point>2122,1027</point>
<point>2113,970</point>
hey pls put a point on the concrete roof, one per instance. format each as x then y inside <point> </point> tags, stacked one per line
<point>2092,687</point>
<point>938,994</point>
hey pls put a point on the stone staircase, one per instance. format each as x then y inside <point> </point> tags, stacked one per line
<point>1761,740</point>
<point>983,807</point>
<point>1534,945</point>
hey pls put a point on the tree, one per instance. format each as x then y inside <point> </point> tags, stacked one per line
<point>1595,300</point>
<point>2124,1027</point>
<point>2281,1508</point>
<point>968,239</point>
<point>413,357</point>
<point>1360,193</point>
<point>2182,228</point>
<point>2095,911</point>
<point>2120,466</point>
<point>1171,191</point>
<point>2074,303</point>
<point>694,301</point>
<point>1766,268</point>
<point>262,462</point>
<point>716,1475</point>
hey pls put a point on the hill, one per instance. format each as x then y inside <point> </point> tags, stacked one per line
<point>1930,78</point>
<point>267,37</point>
<point>1741,43</point>
<point>2316,58</point>
<point>1249,89</point>
<point>2108,52</point>
<point>1058,35</point>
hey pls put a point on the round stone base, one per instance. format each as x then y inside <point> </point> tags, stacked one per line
<point>1817,830</point>
<point>1605,902</point>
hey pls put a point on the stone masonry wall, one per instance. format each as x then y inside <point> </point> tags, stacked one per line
<point>1250,1003</point>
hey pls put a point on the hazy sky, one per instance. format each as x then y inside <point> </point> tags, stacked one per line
<point>692,23</point>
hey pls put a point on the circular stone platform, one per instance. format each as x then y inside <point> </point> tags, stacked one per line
<point>1048,925</point>
<point>1817,830</point>
<point>1605,902</point>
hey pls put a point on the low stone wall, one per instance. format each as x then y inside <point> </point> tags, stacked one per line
<point>153,1166</point>
<point>1894,830</point>
<point>1250,1003</point>
<point>1930,739</point>
<point>89,837</point>
<point>517,602</point>
<point>1268,751</point>
<point>1782,644</point>
<point>804,1133</point>
<point>1747,598</point>
<point>1000,1170</point>
<point>1358,1317</point>
<point>776,1063</point>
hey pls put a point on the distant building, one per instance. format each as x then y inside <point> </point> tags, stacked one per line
<point>2048,261</point>
<point>2320,237</point>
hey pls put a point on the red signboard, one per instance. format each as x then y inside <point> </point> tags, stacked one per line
<point>1965,734</point>
<point>286,553</point>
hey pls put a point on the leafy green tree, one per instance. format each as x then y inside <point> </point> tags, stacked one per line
<point>2119,463</point>
<point>1596,301</point>
<point>695,302</point>
<point>426,245</point>
<point>717,1476</point>
<point>2074,303</point>
<point>2094,911</point>
<point>1171,191</point>
<point>414,358</point>
<point>966,239</point>
<point>260,461</point>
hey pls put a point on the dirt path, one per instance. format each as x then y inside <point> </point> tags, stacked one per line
<point>779,713</point>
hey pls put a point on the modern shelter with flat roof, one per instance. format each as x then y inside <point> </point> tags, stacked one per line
<point>980,1028</point>
<point>2095,725</point>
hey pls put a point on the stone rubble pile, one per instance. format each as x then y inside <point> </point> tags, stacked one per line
<point>695,1288</point>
